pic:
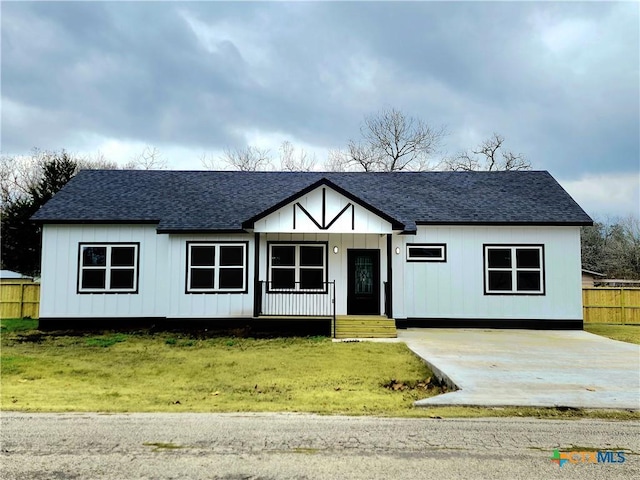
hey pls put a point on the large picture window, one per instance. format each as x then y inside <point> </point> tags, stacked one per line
<point>515,270</point>
<point>216,267</point>
<point>108,268</point>
<point>297,267</point>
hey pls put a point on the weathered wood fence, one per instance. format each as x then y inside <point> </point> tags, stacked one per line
<point>611,305</point>
<point>19,300</point>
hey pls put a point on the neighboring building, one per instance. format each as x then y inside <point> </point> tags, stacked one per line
<point>474,249</point>
<point>7,276</point>
<point>590,278</point>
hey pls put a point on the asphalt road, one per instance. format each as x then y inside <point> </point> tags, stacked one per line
<point>282,446</point>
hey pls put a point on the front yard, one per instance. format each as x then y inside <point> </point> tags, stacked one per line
<point>118,372</point>
<point>171,372</point>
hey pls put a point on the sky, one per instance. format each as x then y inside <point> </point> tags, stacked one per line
<point>559,81</point>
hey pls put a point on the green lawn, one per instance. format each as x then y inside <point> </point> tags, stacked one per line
<point>623,333</point>
<point>169,372</point>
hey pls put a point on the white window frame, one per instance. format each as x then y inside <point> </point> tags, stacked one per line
<point>107,268</point>
<point>217,267</point>
<point>514,269</point>
<point>297,267</point>
<point>441,258</point>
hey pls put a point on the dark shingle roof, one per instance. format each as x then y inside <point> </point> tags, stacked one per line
<point>222,201</point>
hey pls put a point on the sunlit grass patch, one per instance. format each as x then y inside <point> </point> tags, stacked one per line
<point>623,333</point>
<point>17,324</point>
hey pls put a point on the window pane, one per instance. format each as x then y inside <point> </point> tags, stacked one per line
<point>203,256</point>
<point>231,255</point>
<point>311,256</point>
<point>528,258</point>
<point>283,278</point>
<point>122,256</point>
<point>283,255</point>
<point>425,252</point>
<point>529,281</point>
<point>122,278</point>
<point>94,256</point>
<point>94,279</point>
<point>202,277</point>
<point>231,278</point>
<point>311,278</point>
<point>500,281</point>
<point>499,258</point>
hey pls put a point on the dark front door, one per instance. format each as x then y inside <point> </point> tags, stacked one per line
<point>363,290</point>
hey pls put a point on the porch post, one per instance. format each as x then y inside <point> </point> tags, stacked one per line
<point>257,291</point>
<point>389,296</point>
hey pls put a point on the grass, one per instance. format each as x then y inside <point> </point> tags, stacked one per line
<point>17,325</point>
<point>623,333</point>
<point>170,372</point>
<point>117,372</point>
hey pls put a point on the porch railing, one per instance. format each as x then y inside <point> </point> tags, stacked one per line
<point>297,301</point>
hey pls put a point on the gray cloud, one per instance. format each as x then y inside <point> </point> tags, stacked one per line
<point>559,81</point>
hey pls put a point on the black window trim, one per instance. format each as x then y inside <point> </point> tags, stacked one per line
<point>514,247</point>
<point>441,259</point>
<point>245,266</point>
<point>105,291</point>
<point>294,243</point>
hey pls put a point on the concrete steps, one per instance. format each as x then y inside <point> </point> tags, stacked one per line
<point>365,326</point>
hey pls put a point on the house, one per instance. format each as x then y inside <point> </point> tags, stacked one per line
<point>8,276</point>
<point>589,278</point>
<point>428,249</point>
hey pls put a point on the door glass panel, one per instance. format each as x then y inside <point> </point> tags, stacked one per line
<point>363,276</point>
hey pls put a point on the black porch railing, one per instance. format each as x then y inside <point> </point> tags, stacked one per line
<point>297,301</point>
<point>387,298</point>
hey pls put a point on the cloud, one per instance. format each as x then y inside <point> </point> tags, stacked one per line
<point>558,80</point>
<point>606,195</point>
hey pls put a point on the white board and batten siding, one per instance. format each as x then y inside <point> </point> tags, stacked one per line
<point>59,281</point>
<point>292,219</point>
<point>206,305</point>
<point>161,282</point>
<point>455,288</point>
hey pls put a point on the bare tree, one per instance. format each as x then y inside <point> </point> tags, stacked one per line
<point>337,161</point>
<point>209,162</point>
<point>247,159</point>
<point>295,161</point>
<point>149,159</point>
<point>490,156</point>
<point>96,161</point>
<point>392,141</point>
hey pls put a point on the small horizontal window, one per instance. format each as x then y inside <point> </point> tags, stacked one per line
<point>427,252</point>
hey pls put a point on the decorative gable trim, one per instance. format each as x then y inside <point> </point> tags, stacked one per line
<point>395,224</point>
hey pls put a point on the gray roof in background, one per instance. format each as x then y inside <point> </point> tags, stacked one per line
<point>222,201</point>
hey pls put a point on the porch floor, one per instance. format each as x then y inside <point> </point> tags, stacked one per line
<point>365,326</point>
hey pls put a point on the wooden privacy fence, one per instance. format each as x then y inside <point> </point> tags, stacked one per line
<point>611,305</point>
<point>19,300</point>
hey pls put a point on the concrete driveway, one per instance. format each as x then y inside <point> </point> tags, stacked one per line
<point>540,368</point>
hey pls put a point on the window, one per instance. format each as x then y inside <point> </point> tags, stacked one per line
<point>426,252</point>
<point>297,267</point>
<point>516,270</point>
<point>216,267</point>
<point>108,268</point>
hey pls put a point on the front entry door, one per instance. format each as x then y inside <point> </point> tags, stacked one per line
<point>363,290</point>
